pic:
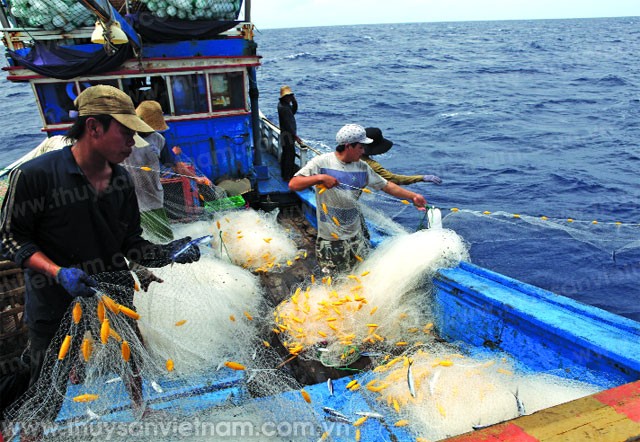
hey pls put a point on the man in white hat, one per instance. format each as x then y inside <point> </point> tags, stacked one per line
<point>71,214</point>
<point>287,108</point>
<point>340,176</point>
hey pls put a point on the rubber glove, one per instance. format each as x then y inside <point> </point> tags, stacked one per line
<point>431,179</point>
<point>76,282</point>
<point>177,254</point>
<point>145,276</point>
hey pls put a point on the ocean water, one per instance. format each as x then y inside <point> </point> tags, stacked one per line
<point>533,118</point>
<point>526,118</point>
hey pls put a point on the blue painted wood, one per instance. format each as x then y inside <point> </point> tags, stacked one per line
<point>204,48</point>
<point>543,331</point>
<point>273,183</point>
<point>218,147</point>
<point>348,403</point>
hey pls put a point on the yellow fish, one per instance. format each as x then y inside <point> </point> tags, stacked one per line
<point>77,312</point>
<point>234,365</point>
<point>126,351</point>
<point>86,398</point>
<point>64,348</point>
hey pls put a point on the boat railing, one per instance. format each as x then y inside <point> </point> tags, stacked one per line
<point>271,142</point>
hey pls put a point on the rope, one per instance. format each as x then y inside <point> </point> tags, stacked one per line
<point>322,189</point>
<point>541,217</point>
<point>149,169</point>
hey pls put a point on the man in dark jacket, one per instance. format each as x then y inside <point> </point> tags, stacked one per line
<point>287,108</point>
<point>72,213</point>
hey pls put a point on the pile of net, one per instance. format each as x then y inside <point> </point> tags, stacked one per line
<point>254,240</point>
<point>190,349</point>
<point>381,306</point>
<point>436,392</point>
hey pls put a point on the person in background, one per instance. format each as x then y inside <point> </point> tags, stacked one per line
<point>144,166</point>
<point>342,238</point>
<point>381,145</point>
<point>287,108</point>
<point>72,213</point>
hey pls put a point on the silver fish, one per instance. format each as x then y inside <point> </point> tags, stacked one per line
<point>156,387</point>
<point>338,420</point>
<point>519,404</point>
<point>410,382</point>
<point>197,241</point>
<point>433,381</point>
<point>92,414</point>
<point>370,414</point>
<point>371,354</point>
<point>334,413</point>
<point>330,386</point>
<point>111,381</point>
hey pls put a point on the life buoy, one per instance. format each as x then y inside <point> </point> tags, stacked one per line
<point>71,93</point>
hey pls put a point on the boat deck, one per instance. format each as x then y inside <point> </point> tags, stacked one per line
<point>608,416</point>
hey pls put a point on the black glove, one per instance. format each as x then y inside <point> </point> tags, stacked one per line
<point>145,276</point>
<point>181,251</point>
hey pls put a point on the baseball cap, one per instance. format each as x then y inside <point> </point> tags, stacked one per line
<point>352,134</point>
<point>108,100</point>
<point>151,113</point>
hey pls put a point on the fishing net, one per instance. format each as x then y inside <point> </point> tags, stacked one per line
<point>618,239</point>
<point>254,240</point>
<point>438,392</point>
<point>166,197</point>
<point>191,351</point>
<point>377,308</point>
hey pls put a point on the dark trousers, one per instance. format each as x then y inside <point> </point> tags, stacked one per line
<point>288,166</point>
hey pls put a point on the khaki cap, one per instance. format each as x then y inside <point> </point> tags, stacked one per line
<point>151,113</point>
<point>285,90</point>
<point>108,100</point>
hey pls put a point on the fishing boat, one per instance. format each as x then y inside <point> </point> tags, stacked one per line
<point>201,67</point>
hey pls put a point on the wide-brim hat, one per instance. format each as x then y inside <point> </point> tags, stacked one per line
<point>108,100</point>
<point>285,90</point>
<point>151,113</point>
<point>380,144</point>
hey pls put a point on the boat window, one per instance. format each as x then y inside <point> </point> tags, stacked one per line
<point>227,90</point>
<point>56,100</point>
<point>148,88</point>
<point>189,94</point>
<point>88,83</point>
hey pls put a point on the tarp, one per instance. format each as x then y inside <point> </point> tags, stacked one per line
<point>65,63</point>
<point>153,29</point>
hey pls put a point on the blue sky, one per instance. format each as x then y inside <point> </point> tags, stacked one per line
<point>267,14</point>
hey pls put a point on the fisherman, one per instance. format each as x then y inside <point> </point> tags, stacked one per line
<point>72,213</point>
<point>381,145</point>
<point>340,176</point>
<point>144,166</point>
<point>287,108</point>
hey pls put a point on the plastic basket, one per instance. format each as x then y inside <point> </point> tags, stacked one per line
<point>232,202</point>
